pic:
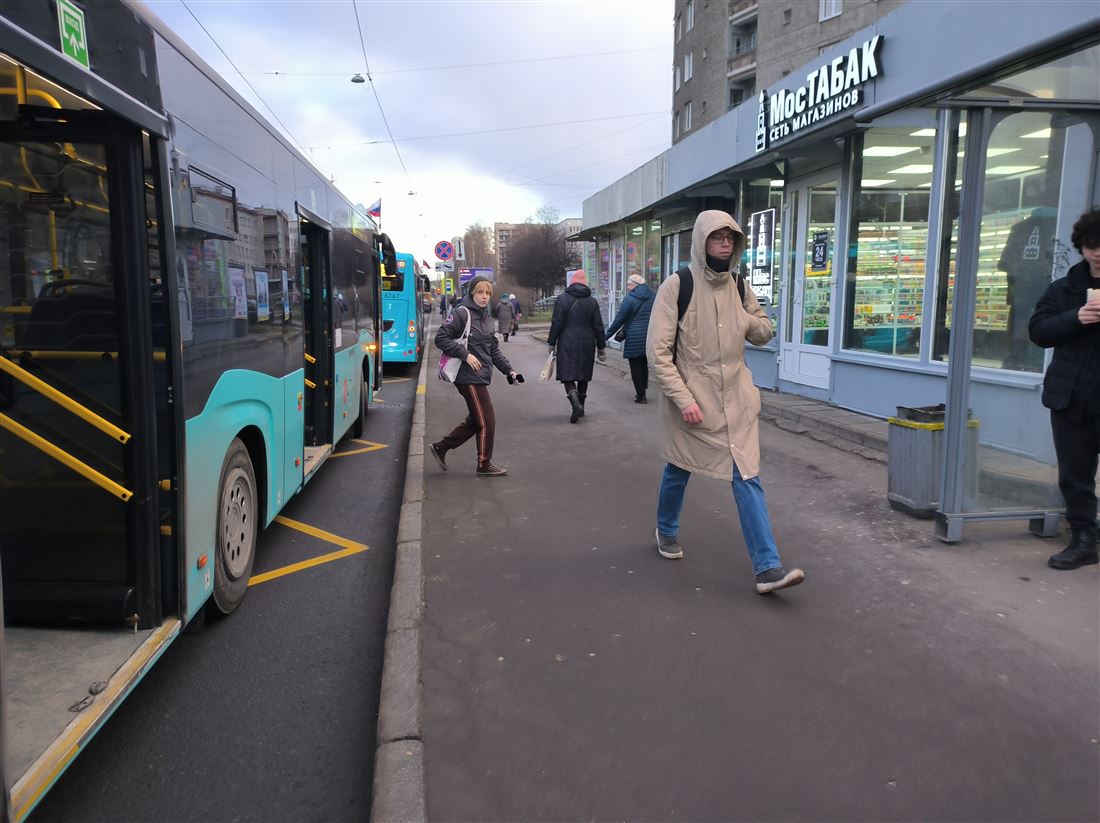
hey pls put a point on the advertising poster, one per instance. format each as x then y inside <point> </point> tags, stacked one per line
<point>263,297</point>
<point>286,298</point>
<point>762,254</point>
<point>819,260</point>
<point>236,289</point>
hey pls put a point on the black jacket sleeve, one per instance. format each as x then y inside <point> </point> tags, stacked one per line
<point>1051,325</point>
<point>557,323</point>
<point>448,338</point>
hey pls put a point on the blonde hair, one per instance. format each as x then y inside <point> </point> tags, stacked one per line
<point>486,283</point>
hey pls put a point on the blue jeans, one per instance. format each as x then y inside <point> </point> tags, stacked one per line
<point>752,509</point>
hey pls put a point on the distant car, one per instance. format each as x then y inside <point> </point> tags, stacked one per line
<point>545,303</point>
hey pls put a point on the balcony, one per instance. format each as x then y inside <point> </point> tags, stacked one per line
<point>741,66</point>
<point>743,12</point>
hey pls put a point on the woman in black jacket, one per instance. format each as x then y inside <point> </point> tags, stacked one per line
<point>478,357</point>
<point>1067,319</point>
<point>576,330</point>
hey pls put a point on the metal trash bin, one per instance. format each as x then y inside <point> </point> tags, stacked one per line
<point>915,460</point>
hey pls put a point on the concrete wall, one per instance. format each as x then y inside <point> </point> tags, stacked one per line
<point>784,47</point>
<point>708,42</point>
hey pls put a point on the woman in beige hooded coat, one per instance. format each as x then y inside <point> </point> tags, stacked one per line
<point>709,405</point>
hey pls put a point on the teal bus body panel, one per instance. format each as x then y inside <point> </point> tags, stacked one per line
<point>294,435</point>
<point>398,346</point>
<point>348,382</point>
<point>240,399</point>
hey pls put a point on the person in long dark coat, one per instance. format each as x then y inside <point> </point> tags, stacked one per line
<point>633,315</point>
<point>576,331</point>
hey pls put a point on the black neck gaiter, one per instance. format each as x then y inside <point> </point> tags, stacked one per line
<point>719,264</point>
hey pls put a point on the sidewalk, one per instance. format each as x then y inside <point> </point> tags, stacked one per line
<point>569,672</point>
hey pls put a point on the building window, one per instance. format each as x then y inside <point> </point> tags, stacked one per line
<point>676,78</point>
<point>830,9</point>
<point>675,125</point>
<point>889,231</point>
<point>689,66</point>
<point>691,14</point>
<point>786,17</point>
<point>679,27</point>
<point>687,116</point>
<point>740,91</point>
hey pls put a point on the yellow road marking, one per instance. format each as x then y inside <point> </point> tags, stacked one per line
<point>350,547</point>
<point>421,389</point>
<point>370,447</point>
<point>395,380</point>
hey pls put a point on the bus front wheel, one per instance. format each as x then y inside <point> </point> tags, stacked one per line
<point>237,527</point>
<point>358,425</point>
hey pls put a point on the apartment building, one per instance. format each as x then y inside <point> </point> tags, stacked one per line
<point>725,50</point>
<point>567,228</point>
<point>502,237</point>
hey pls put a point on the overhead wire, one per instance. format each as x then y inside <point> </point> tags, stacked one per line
<point>460,65</point>
<point>245,79</point>
<point>377,99</point>
<point>491,131</point>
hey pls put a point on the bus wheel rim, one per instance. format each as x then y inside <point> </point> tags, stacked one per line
<point>237,523</point>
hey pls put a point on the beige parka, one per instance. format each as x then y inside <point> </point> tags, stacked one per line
<point>710,364</point>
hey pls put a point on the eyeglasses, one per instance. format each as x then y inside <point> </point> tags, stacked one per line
<point>721,239</point>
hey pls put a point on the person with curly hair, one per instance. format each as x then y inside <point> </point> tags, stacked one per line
<point>1067,319</point>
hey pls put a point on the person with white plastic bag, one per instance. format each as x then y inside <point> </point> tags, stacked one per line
<point>469,335</point>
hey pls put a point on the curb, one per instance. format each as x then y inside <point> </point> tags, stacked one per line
<point>399,790</point>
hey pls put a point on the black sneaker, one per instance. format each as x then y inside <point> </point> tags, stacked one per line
<point>668,546</point>
<point>489,470</point>
<point>1081,551</point>
<point>640,398</point>
<point>440,456</point>
<point>775,579</point>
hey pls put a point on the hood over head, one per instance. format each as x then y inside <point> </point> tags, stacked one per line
<point>468,300</point>
<point>706,224</point>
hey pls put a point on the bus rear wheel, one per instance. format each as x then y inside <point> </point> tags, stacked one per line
<point>237,528</point>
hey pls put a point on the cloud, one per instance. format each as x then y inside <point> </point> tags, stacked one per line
<point>422,56</point>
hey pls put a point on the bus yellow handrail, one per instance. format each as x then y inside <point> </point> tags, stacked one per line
<point>16,309</point>
<point>66,459</point>
<point>63,400</point>
<point>310,384</point>
<point>72,354</point>
<point>310,358</point>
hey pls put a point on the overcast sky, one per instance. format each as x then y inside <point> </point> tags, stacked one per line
<point>593,76</point>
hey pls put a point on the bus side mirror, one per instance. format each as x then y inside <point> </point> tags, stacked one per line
<point>389,256</point>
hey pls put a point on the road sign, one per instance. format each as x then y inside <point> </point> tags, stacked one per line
<point>74,40</point>
<point>446,265</point>
<point>444,250</point>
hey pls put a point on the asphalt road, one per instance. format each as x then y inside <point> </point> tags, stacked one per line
<point>571,673</point>
<point>269,715</point>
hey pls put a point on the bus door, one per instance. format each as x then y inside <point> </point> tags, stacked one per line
<point>319,353</point>
<point>79,532</point>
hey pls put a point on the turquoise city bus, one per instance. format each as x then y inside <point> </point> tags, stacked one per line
<point>403,317</point>
<point>190,320</point>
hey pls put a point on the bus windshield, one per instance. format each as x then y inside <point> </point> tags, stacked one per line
<point>395,281</point>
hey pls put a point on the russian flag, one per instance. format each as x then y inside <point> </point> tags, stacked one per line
<point>376,209</point>
<point>425,263</point>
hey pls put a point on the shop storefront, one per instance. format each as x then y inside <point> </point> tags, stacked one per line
<point>880,188</point>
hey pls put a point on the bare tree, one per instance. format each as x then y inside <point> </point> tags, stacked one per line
<point>539,256</point>
<point>477,241</point>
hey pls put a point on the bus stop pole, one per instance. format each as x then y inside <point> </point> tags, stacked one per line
<point>949,518</point>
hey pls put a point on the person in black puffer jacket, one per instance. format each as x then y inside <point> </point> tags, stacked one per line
<point>1067,319</point>
<point>633,316</point>
<point>576,331</point>
<point>478,356</point>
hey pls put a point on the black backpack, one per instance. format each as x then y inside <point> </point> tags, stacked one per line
<point>687,288</point>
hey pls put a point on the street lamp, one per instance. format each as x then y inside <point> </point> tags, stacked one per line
<point>358,78</point>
